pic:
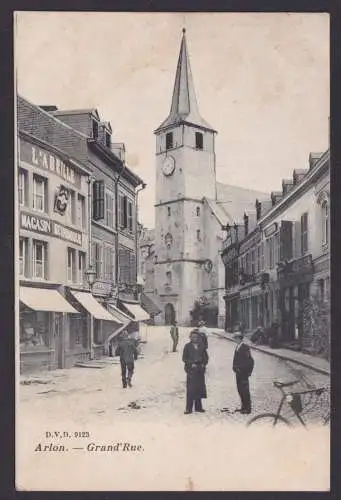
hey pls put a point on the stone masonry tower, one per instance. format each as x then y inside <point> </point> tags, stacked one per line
<point>185,173</point>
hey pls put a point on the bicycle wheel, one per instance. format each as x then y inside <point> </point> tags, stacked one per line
<point>268,420</point>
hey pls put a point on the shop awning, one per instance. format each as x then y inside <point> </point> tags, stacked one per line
<point>137,311</point>
<point>121,317</point>
<point>149,305</point>
<point>42,299</point>
<point>93,306</point>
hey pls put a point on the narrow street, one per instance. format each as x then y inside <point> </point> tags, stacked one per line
<point>178,452</point>
<point>96,395</point>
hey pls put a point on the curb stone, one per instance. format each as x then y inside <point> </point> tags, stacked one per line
<point>318,369</point>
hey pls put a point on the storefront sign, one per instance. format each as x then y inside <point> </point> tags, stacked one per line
<point>297,269</point>
<point>52,228</point>
<point>270,230</point>
<point>47,160</point>
<point>102,288</point>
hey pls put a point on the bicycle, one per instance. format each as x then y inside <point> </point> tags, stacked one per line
<point>294,400</point>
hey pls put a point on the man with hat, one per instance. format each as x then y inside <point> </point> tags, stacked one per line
<point>242,366</point>
<point>195,358</point>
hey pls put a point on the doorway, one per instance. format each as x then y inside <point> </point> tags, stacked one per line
<point>169,314</point>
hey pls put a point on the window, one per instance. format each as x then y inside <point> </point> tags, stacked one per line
<point>98,200</point>
<point>247,263</point>
<point>23,256</point>
<point>109,210</point>
<point>262,257</point>
<point>70,212</point>
<point>169,140</point>
<point>130,216</point>
<point>39,259</point>
<point>95,129</point>
<point>108,263</point>
<point>169,211</point>
<point>198,235</point>
<point>199,140</point>
<point>39,193</point>
<point>253,262</point>
<point>198,211</point>
<point>71,265</point>
<point>276,248</point>
<point>80,211</point>
<point>271,253</point>
<point>168,278</point>
<point>325,223</point>
<point>107,139</point>
<point>127,265</point>
<point>123,211</point>
<point>22,187</point>
<point>81,267</point>
<point>304,233</point>
<point>258,261</point>
<point>97,258</point>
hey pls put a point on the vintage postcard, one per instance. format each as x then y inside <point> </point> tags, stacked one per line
<point>172,251</point>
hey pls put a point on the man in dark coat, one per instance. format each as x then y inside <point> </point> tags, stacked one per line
<point>174,331</point>
<point>195,358</point>
<point>242,366</point>
<point>127,351</point>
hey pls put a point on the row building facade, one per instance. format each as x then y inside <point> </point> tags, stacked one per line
<point>78,195</point>
<point>277,260</point>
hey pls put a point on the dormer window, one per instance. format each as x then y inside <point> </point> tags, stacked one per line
<point>169,140</point>
<point>107,139</point>
<point>199,140</point>
<point>95,129</point>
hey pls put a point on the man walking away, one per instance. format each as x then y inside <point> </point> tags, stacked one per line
<point>127,352</point>
<point>174,331</point>
<point>195,358</point>
<point>203,333</point>
<point>243,364</point>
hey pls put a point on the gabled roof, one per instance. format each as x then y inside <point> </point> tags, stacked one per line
<point>184,107</point>
<point>232,202</point>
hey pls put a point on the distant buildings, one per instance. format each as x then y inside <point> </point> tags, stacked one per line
<point>277,260</point>
<point>78,234</point>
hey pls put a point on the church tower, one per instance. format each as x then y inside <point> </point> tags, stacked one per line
<point>185,173</point>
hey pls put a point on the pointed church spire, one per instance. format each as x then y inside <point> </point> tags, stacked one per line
<point>184,107</point>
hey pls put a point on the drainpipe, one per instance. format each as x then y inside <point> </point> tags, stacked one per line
<point>138,189</point>
<point>90,182</point>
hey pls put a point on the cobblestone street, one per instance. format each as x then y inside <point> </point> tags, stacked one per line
<point>179,452</point>
<point>94,395</point>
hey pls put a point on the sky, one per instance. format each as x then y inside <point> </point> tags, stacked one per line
<point>261,80</point>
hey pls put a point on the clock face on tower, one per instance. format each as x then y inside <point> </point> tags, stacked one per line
<point>168,165</point>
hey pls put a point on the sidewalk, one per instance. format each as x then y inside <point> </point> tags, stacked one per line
<point>317,364</point>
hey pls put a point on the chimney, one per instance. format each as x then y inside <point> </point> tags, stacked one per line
<point>276,196</point>
<point>49,108</point>
<point>287,185</point>
<point>299,175</point>
<point>313,159</point>
<point>262,207</point>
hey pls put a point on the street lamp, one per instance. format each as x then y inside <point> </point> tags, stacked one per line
<point>90,274</point>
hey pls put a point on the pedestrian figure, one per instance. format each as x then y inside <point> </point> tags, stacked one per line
<point>203,333</point>
<point>242,366</point>
<point>127,352</point>
<point>174,331</point>
<point>195,358</point>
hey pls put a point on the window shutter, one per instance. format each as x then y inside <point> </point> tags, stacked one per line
<point>297,239</point>
<point>286,240</point>
<point>98,200</point>
<point>125,212</point>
